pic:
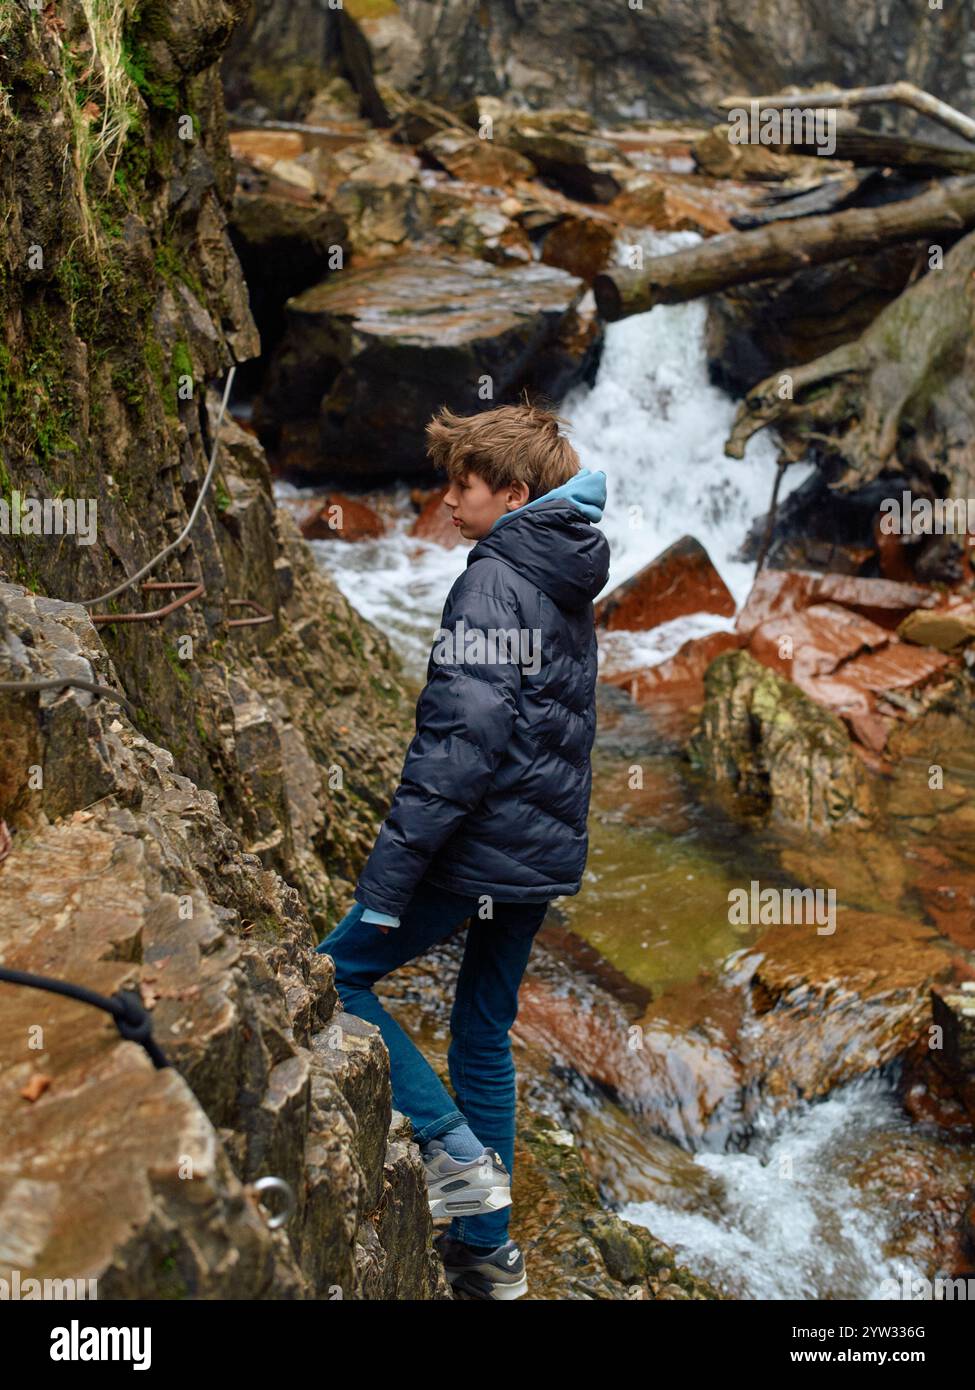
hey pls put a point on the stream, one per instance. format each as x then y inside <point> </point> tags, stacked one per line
<point>822,1200</point>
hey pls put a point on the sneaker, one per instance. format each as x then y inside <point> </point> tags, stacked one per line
<point>464,1187</point>
<point>499,1276</point>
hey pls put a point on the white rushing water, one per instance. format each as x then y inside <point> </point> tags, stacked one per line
<point>656,426</point>
<point>786,1220</point>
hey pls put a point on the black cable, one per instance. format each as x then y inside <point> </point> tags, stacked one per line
<point>131,1017</point>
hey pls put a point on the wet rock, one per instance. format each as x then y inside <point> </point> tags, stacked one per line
<point>442,324</point>
<point>673,690</point>
<point>333,516</point>
<point>576,1251</point>
<point>777,593</point>
<point>830,1008</point>
<point>679,581</point>
<point>762,736</point>
<point>434,523</point>
<point>774,324</point>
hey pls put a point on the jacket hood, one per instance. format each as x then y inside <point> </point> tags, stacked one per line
<point>553,541</point>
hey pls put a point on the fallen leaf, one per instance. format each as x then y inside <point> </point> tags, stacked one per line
<point>35,1087</point>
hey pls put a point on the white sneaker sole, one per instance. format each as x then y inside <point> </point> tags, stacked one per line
<point>460,1205</point>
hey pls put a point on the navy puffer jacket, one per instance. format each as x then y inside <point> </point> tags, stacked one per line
<point>494,795</point>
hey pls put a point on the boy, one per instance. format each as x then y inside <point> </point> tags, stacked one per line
<point>489,821</point>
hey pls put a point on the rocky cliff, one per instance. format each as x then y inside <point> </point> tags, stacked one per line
<point>661,58</point>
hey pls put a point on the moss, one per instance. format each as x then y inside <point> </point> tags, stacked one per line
<point>178,666</point>
<point>171,267</point>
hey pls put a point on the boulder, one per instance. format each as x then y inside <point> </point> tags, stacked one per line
<point>369,356</point>
<point>333,516</point>
<point>483,162</point>
<point>832,1008</point>
<point>434,523</point>
<point>669,204</point>
<point>946,628</point>
<point>581,245</point>
<point>681,580</point>
<point>763,737</point>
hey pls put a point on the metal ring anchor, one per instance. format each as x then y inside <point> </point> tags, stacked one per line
<point>284,1188</point>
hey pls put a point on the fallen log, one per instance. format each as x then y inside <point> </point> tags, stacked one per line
<point>901,93</point>
<point>781,249</point>
<point>868,147</point>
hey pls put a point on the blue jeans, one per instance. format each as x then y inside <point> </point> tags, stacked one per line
<point>481,1067</point>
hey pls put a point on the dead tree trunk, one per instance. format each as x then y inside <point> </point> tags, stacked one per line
<point>899,400</point>
<point>783,248</point>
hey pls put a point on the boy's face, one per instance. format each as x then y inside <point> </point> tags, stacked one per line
<point>476,508</point>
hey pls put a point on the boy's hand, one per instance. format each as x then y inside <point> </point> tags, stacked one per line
<point>379,927</point>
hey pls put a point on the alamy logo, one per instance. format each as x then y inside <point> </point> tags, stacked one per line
<point>50,516</point>
<point>772,907</point>
<point>805,125</point>
<point>923,516</point>
<point>494,646</point>
<point>77,1343</point>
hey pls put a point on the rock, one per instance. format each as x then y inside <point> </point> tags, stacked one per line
<point>953,1011</point>
<point>434,523</point>
<point>657,201</point>
<point>264,148</point>
<point>476,161</point>
<point>780,593</point>
<point>148,888</point>
<point>945,628</point>
<point>815,641</point>
<point>673,690</point>
<point>721,158</point>
<point>658,59</point>
<point>679,581</point>
<point>827,1016</point>
<point>466,227</point>
<point>440,323</point>
<point>772,325</point>
<point>333,516</point>
<point>580,245</point>
<point>763,737</point>
<point>579,164</point>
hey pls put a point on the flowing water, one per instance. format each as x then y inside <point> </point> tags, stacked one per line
<point>796,1204</point>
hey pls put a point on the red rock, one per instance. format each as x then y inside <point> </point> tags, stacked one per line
<point>580,245</point>
<point>815,641</point>
<point>882,600</point>
<point>681,677</point>
<point>895,557</point>
<point>434,523</point>
<point>680,581</point>
<point>333,516</point>
<point>774,594</point>
<point>898,666</point>
<point>779,592</point>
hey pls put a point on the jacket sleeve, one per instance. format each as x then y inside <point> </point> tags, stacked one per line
<point>464,718</point>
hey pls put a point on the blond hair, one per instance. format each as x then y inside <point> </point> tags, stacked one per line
<point>511,444</point>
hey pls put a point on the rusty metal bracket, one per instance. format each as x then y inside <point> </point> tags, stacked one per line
<point>192,590</point>
<point>265,617</point>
